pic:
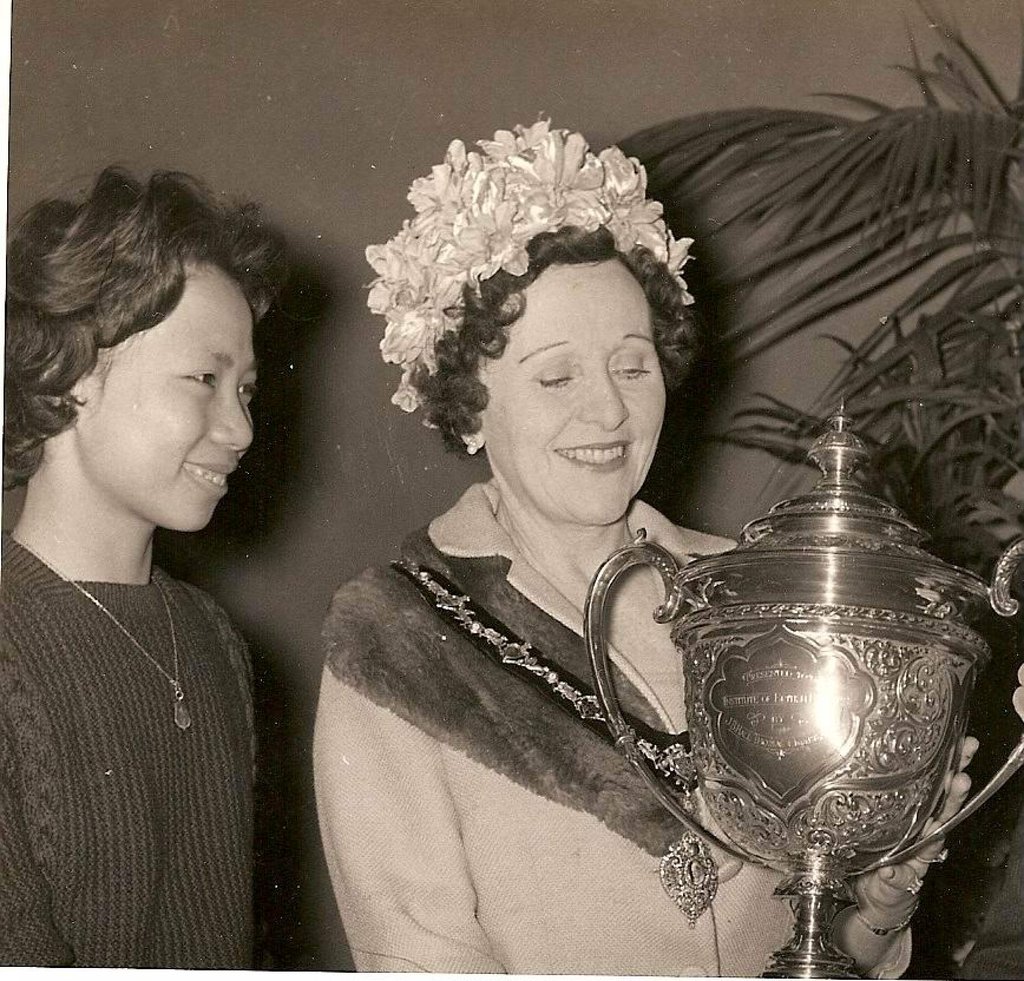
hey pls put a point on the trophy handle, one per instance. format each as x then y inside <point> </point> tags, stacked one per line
<point>640,552</point>
<point>1013,763</point>
<point>1006,606</point>
<point>999,592</point>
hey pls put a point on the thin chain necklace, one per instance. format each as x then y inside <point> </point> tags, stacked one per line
<point>182,718</point>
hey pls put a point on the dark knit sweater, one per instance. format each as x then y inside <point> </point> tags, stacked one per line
<point>124,841</point>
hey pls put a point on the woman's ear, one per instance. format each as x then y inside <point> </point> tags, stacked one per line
<point>476,441</point>
<point>86,391</point>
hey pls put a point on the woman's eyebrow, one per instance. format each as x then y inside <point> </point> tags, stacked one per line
<point>546,347</point>
<point>227,361</point>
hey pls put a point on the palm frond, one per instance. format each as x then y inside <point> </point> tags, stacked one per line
<point>958,270</point>
<point>859,101</point>
<point>843,280</point>
<point>964,60</point>
<point>806,214</point>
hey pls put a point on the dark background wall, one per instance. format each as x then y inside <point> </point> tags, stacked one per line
<point>324,111</point>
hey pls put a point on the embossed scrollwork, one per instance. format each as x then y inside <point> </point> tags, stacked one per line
<point>897,748</point>
<point>925,689</point>
<point>880,657</point>
<point>764,831</point>
<point>853,820</point>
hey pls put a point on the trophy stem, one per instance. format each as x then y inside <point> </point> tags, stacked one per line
<point>816,895</point>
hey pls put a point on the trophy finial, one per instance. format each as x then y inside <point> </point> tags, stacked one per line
<point>838,452</point>
<point>838,418</point>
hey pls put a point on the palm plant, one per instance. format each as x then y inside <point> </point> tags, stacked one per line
<point>803,214</point>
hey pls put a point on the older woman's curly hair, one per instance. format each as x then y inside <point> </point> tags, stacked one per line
<point>454,396</point>
<point>83,276</point>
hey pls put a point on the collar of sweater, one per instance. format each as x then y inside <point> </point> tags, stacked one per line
<point>470,529</point>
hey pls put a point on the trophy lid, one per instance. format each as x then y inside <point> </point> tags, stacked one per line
<point>838,544</point>
<point>838,510</point>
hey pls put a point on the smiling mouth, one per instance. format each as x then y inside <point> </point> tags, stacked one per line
<point>213,477</point>
<point>594,455</point>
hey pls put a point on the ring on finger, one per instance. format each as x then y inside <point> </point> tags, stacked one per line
<point>937,859</point>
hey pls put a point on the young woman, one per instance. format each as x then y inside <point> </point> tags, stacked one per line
<point>125,714</point>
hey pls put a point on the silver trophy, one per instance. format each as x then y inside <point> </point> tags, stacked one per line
<point>829,662</point>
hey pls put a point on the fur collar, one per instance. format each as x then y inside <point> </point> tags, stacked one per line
<point>384,640</point>
<point>471,530</point>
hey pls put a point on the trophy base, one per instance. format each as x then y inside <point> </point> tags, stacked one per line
<point>810,953</point>
<point>818,963</point>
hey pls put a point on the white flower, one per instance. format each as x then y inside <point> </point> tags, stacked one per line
<point>406,397</point>
<point>475,215</point>
<point>625,177</point>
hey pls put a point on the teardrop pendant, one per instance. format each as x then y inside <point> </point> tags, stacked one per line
<point>182,719</point>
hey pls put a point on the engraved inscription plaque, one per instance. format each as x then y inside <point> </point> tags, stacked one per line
<point>786,712</point>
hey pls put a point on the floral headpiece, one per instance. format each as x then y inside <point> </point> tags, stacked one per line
<point>475,214</point>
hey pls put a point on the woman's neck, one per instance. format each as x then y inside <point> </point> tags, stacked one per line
<point>567,555</point>
<point>82,546</point>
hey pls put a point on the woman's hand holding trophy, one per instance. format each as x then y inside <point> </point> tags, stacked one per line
<point>887,898</point>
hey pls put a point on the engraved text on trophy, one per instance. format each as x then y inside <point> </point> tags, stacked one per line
<point>785,711</point>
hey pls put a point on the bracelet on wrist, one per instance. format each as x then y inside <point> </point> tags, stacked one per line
<point>885,931</point>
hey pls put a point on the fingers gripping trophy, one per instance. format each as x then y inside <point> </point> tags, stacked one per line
<point>829,662</point>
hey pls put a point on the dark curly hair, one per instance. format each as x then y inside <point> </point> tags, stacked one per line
<point>85,275</point>
<point>453,396</point>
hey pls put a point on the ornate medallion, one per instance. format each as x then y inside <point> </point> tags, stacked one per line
<point>690,876</point>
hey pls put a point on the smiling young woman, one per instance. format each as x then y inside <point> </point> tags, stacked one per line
<point>159,428</point>
<point>125,712</point>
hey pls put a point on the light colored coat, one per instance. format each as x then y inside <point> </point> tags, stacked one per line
<point>457,838</point>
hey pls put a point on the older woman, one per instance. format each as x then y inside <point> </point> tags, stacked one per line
<point>475,816</point>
